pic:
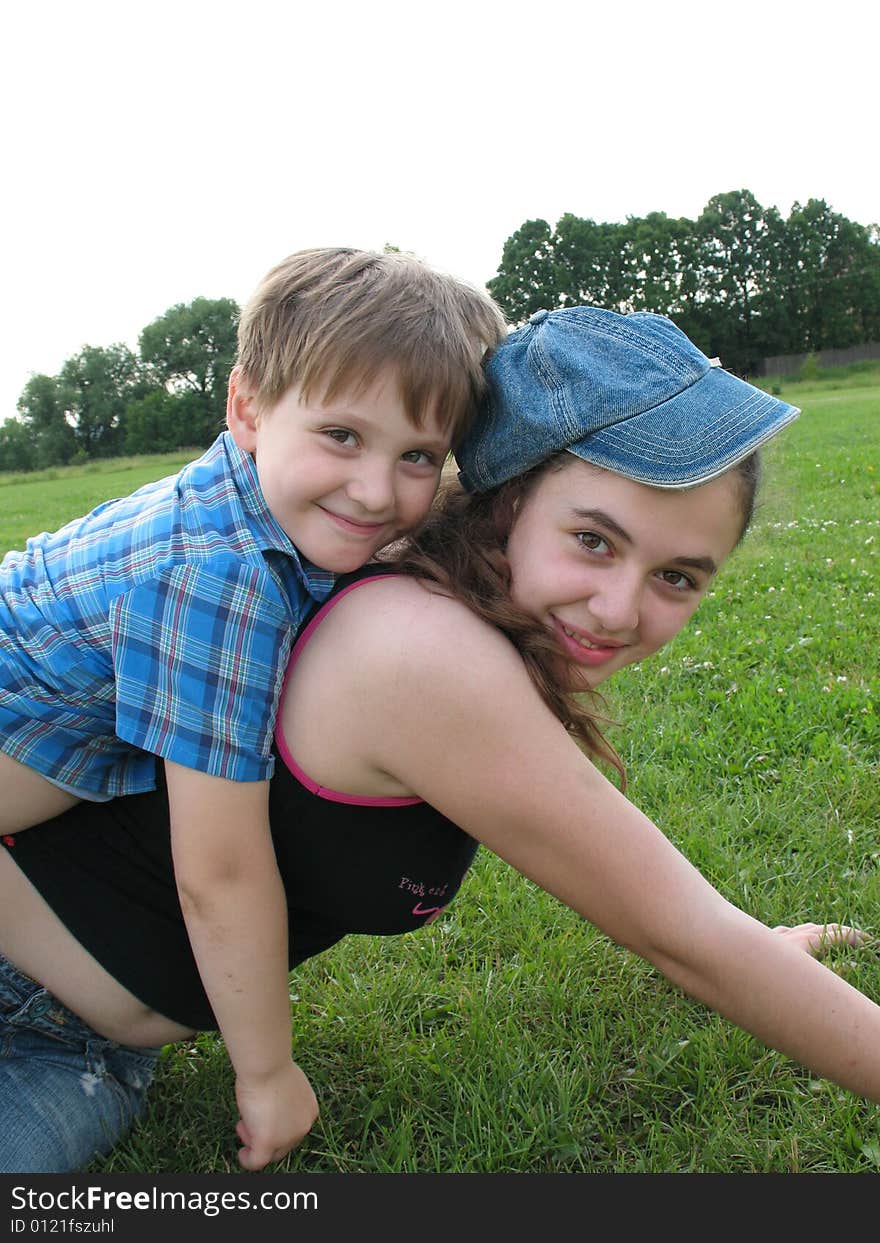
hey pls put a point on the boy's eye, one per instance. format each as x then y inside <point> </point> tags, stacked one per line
<point>341,435</point>
<point>592,541</point>
<point>421,457</point>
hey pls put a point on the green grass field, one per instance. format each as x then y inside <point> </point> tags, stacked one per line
<point>510,1035</point>
<point>44,500</point>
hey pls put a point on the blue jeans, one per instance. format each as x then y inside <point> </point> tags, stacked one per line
<point>67,1095</point>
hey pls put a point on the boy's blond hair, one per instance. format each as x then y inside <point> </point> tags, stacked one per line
<point>329,320</point>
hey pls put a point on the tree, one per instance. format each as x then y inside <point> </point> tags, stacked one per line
<point>741,281</point>
<point>95,387</point>
<point>42,410</point>
<point>191,348</point>
<point>595,264</point>
<point>738,261</point>
<point>528,279</point>
<point>832,288</point>
<point>161,422</point>
<point>16,446</point>
<point>667,270</point>
<point>190,351</point>
<point>151,424</point>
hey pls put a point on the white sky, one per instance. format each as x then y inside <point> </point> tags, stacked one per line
<point>160,152</point>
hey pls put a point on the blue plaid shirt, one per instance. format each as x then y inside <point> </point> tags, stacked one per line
<point>159,624</point>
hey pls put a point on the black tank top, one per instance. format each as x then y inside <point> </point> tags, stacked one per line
<point>349,865</point>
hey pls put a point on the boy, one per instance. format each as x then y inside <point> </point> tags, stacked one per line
<point>159,625</point>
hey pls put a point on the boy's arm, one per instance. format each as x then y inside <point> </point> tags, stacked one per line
<point>235,910</point>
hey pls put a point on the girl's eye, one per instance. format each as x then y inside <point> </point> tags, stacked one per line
<point>677,580</point>
<point>594,542</point>
<point>342,436</point>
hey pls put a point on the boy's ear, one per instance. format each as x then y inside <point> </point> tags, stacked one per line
<point>241,411</point>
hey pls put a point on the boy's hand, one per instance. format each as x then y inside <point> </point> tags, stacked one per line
<point>277,1112</point>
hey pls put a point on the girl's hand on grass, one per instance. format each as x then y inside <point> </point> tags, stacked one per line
<point>277,1112</point>
<point>816,939</point>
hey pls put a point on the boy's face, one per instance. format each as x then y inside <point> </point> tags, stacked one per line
<point>342,479</point>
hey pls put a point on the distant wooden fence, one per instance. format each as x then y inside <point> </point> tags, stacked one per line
<point>785,364</point>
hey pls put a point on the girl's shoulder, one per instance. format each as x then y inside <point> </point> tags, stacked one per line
<point>396,622</point>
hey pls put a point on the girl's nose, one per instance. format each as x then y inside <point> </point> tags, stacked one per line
<point>616,606</point>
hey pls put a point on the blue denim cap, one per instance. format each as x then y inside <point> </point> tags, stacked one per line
<point>630,393</point>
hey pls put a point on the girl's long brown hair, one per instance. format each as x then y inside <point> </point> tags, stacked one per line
<point>461,548</point>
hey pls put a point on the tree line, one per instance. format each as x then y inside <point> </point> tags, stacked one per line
<point>109,400</point>
<point>741,280</point>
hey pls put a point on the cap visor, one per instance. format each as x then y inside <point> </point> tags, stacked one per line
<point>691,438</point>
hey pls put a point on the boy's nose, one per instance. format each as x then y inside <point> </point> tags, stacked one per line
<point>372,486</point>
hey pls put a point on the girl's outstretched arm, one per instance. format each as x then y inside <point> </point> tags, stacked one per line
<point>450,712</point>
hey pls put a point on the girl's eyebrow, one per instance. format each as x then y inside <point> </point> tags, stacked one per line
<point>602,519</point>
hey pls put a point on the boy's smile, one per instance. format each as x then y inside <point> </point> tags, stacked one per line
<point>342,479</point>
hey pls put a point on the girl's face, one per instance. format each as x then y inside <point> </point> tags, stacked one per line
<point>616,568</point>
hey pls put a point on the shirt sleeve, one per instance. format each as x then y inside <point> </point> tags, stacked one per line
<point>200,654</point>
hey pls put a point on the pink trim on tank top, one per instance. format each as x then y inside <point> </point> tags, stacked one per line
<point>335,796</point>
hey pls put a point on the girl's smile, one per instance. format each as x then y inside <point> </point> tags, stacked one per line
<point>584,648</point>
